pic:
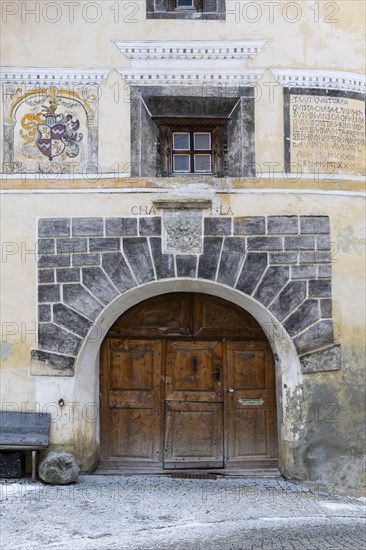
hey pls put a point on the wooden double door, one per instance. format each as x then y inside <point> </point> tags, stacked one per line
<point>180,401</point>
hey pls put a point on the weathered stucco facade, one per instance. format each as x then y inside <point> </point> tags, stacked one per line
<point>276,226</point>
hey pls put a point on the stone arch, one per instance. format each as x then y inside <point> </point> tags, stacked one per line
<point>287,364</point>
<point>279,262</point>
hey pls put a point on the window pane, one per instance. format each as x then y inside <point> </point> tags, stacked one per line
<point>202,163</point>
<point>181,163</point>
<point>181,141</point>
<point>202,140</point>
<point>185,4</point>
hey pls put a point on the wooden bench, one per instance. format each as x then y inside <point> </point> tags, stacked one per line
<point>25,431</point>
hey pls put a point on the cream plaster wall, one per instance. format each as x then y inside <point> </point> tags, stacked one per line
<point>300,35</point>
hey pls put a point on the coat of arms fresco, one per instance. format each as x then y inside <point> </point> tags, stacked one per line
<point>50,133</point>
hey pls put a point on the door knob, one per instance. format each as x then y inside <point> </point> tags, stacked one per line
<point>230,390</point>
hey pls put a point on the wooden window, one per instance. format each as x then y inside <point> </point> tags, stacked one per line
<point>192,152</point>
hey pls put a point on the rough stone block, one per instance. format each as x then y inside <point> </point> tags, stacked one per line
<point>314,224</point>
<point>264,243</point>
<point>105,244</point>
<point>70,246</point>
<point>208,261</point>
<point>303,271</point>
<point>254,266</point>
<point>54,227</point>
<point>70,275</point>
<point>164,263</point>
<point>46,276</point>
<point>57,260</point>
<point>307,314</point>
<point>44,313</point>
<point>44,363</point>
<point>117,270</point>
<point>283,258</point>
<point>46,246</point>
<point>150,226</point>
<point>318,256</point>
<point>326,308</point>
<point>250,225</point>
<point>58,468</point>
<point>323,360</point>
<point>231,259</point>
<point>324,271</point>
<point>291,297</point>
<point>217,226</point>
<point>98,283</point>
<point>283,224</point>
<point>323,242</point>
<point>87,227</point>
<point>54,338</point>
<point>320,288</point>
<point>315,337</point>
<point>48,293</point>
<point>86,259</point>
<point>138,255</point>
<point>302,242</point>
<point>186,265</point>
<point>274,279</point>
<point>70,320</point>
<point>80,299</point>
<point>121,227</point>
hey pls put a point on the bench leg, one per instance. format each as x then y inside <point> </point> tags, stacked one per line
<point>34,465</point>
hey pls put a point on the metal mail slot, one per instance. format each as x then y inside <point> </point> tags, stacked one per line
<point>251,401</point>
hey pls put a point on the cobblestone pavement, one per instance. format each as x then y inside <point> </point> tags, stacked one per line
<point>156,512</point>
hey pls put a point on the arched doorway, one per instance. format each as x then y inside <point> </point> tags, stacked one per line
<point>187,381</point>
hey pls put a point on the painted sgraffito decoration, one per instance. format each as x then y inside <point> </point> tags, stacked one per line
<point>51,128</point>
<point>58,133</point>
<point>51,136</point>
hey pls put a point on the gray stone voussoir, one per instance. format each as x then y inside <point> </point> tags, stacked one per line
<point>98,283</point>
<point>291,297</point>
<point>273,281</point>
<point>317,336</point>
<point>138,255</point>
<point>307,314</point>
<point>327,359</point>
<point>208,261</point>
<point>254,266</point>
<point>164,263</point>
<point>81,300</point>
<point>117,270</point>
<point>186,265</point>
<point>71,320</point>
<point>54,338</point>
<point>231,259</point>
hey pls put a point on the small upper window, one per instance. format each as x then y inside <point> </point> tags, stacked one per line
<point>185,9</point>
<point>191,152</point>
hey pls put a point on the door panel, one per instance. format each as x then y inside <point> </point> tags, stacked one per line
<point>131,401</point>
<point>250,405</point>
<point>193,405</point>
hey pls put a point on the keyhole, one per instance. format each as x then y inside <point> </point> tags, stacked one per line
<point>194,364</point>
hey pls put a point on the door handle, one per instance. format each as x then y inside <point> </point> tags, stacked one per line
<point>230,390</point>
